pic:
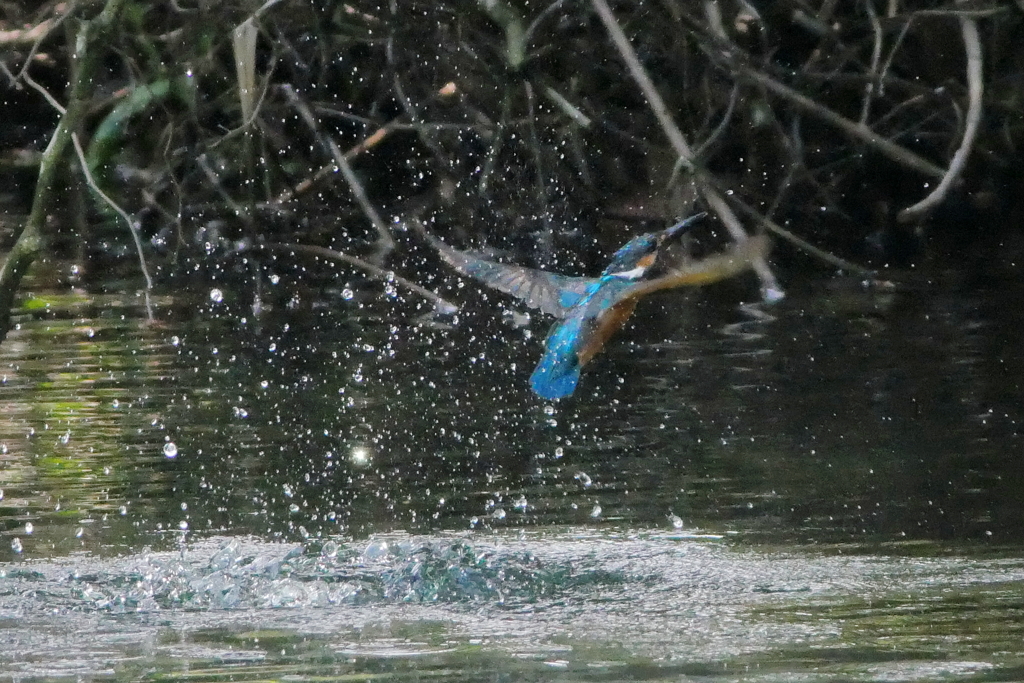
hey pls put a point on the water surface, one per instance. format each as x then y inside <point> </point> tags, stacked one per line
<point>344,485</point>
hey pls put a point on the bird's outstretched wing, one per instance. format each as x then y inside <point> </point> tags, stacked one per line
<point>551,293</point>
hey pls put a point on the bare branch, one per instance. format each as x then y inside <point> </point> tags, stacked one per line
<point>385,241</point>
<point>876,55</point>
<point>49,25</point>
<point>26,36</point>
<point>972,46</point>
<point>442,304</point>
<point>123,214</point>
<point>45,93</point>
<point>854,130</point>
<point>769,286</point>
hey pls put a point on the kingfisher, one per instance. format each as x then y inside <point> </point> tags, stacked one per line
<point>589,310</point>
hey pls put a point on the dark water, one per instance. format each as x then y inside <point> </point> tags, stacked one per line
<point>348,487</point>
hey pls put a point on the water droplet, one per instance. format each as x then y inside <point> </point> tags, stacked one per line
<point>584,478</point>
<point>175,340</point>
<point>521,504</point>
<point>264,384</point>
<point>123,510</point>
<point>16,545</point>
<point>498,513</point>
<point>170,450</point>
<point>79,532</point>
<point>359,456</point>
<point>216,296</point>
<point>65,437</point>
<point>29,528</point>
<point>293,508</point>
<point>275,278</point>
<point>596,512</point>
<point>183,525</point>
<point>559,452</point>
<point>677,521</point>
<point>347,294</point>
<point>376,550</point>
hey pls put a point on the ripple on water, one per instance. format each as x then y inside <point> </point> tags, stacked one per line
<point>565,597</point>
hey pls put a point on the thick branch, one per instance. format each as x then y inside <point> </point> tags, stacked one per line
<point>972,45</point>
<point>32,240</point>
<point>736,61</point>
<point>900,155</point>
<point>770,287</point>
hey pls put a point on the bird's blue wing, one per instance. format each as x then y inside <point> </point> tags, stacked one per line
<point>551,293</point>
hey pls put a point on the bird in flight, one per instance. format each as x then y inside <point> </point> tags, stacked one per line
<point>589,310</point>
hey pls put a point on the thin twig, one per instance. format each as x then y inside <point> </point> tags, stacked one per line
<point>385,241</point>
<point>547,235</point>
<point>734,58</point>
<point>528,34</point>
<point>49,25</point>
<point>245,127</point>
<point>723,124</point>
<point>239,210</point>
<point>876,55</point>
<point>892,55</point>
<point>367,143</point>
<point>854,130</point>
<point>45,93</point>
<point>32,238</point>
<point>975,89</point>
<point>374,139</point>
<point>769,286</point>
<point>442,304</point>
<point>121,212</point>
<point>962,13</point>
<point>10,77</point>
<point>24,36</point>
<point>801,243</point>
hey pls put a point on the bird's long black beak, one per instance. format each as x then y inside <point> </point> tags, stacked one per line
<point>682,227</point>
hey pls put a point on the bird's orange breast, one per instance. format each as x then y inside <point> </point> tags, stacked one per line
<point>608,323</point>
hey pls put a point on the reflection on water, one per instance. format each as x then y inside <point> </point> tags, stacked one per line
<point>853,421</point>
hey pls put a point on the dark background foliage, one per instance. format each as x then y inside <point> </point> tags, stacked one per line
<point>516,126</point>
